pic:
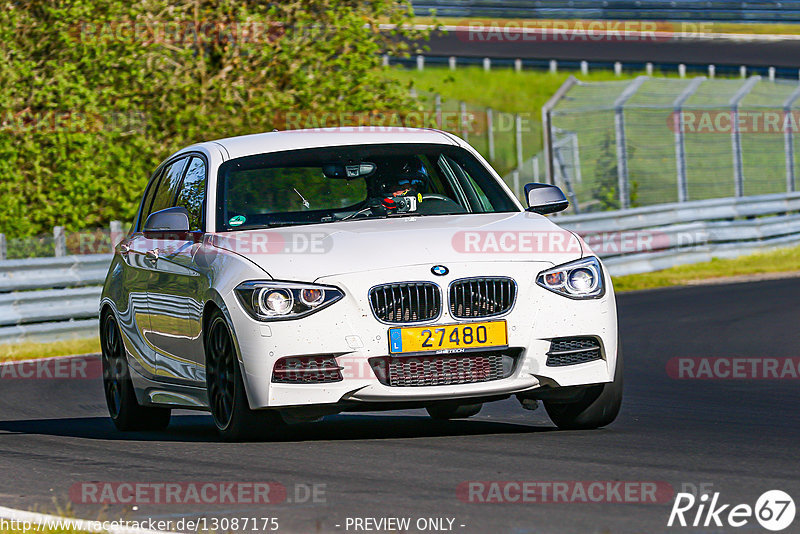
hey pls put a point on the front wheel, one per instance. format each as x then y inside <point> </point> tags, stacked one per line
<point>594,407</point>
<point>227,397</point>
<point>125,411</point>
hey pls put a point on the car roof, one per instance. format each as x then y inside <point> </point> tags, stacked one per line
<point>276,141</point>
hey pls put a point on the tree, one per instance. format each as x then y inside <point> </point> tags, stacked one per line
<point>97,92</point>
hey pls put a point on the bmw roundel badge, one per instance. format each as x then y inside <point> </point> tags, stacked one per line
<point>439,270</point>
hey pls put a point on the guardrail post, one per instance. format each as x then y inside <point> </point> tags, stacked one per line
<point>59,241</point>
<point>712,71</point>
<point>518,65</point>
<point>462,107</point>
<point>490,131</point>
<point>420,62</point>
<point>518,139</point>
<point>451,62</point>
<point>116,234</point>
<point>487,64</point>
<point>680,147</point>
<point>3,248</point>
<point>584,68</point>
<point>736,138</point>
<point>623,187</point>
<point>547,134</point>
<point>788,138</point>
<point>437,108</point>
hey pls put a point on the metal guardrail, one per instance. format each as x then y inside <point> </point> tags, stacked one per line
<point>630,241</point>
<point>692,10</point>
<point>651,238</point>
<point>50,299</point>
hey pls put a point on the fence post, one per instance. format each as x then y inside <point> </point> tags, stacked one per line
<point>584,67</point>
<point>553,66</point>
<point>736,139</point>
<point>622,144</point>
<point>385,60</point>
<point>490,132</point>
<point>518,140</point>
<point>420,62</point>
<point>116,234</point>
<point>680,146</point>
<point>712,71</point>
<point>648,68</point>
<point>618,68</point>
<point>437,108</point>
<point>3,248</point>
<point>462,107</point>
<point>788,139</point>
<point>451,61</point>
<point>518,65</point>
<point>487,64</point>
<point>547,134</point>
<point>59,241</point>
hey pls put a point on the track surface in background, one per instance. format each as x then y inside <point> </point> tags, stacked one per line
<point>740,436</point>
<point>765,54</point>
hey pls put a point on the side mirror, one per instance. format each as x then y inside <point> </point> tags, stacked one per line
<point>545,198</point>
<point>170,220</point>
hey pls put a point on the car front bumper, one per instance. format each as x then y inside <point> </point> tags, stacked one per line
<point>348,331</point>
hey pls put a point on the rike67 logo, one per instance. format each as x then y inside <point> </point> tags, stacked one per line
<point>774,510</point>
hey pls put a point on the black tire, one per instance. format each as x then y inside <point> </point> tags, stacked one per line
<point>227,397</point>
<point>444,411</point>
<point>594,407</point>
<point>125,411</point>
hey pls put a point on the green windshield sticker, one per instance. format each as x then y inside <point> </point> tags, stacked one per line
<point>237,221</point>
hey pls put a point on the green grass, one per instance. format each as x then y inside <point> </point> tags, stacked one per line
<point>26,351</point>
<point>501,88</point>
<point>776,261</point>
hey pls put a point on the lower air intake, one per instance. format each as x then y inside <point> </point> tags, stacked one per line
<point>573,350</point>
<point>306,370</point>
<point>442,370</point>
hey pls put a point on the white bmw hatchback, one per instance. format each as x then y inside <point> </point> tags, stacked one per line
<point>290,275</point>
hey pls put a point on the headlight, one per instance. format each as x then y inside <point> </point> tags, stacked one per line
<point>273,301</point>
<point>582,279</point>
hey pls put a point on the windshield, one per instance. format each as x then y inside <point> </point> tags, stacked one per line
<point>334,184</point>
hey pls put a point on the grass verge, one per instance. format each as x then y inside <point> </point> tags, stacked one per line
<point>24,351</point>
<point>776,261</point>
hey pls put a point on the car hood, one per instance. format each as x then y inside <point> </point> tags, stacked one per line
<point>308,252</point>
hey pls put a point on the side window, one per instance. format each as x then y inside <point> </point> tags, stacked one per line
<point>144,210</point>
<point>193,192</point>
<point>168,186</point>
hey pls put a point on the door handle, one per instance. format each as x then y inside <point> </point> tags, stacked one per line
<point>152,255</point>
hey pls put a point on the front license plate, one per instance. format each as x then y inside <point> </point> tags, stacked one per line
<point>448,338</point>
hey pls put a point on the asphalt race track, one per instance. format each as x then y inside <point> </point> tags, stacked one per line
<point>782,53</point>
<point>739,436</point>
